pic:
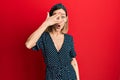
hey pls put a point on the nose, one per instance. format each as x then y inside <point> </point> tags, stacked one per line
<point>58,18</point>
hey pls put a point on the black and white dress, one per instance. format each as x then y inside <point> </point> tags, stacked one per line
<point>58,63</point>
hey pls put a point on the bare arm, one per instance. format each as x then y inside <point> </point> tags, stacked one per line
<point>33,38</point>
<point>75,66</point>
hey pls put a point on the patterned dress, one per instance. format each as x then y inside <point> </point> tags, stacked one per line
<point>58,63</point>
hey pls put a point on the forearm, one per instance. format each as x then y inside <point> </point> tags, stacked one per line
<point>32,39</point>
<point>75,66</point>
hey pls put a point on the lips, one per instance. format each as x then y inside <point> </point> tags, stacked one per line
<point>57,26</point>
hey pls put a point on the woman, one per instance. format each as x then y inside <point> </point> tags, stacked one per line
<point>57,46</point>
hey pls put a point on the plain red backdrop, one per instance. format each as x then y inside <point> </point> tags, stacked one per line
<point>94,24</point>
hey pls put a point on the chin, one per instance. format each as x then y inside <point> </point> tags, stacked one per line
<point>58,30</point>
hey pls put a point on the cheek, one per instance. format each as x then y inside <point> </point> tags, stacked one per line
<point>62,24</point>
<point>64,21</point>
<point>62,27</point>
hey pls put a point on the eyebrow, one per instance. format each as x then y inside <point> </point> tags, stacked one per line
<point>62,13</point>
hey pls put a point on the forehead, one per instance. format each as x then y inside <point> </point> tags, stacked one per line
<point>59,11</point>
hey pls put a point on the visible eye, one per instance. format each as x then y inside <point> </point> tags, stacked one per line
<point>62,17</point>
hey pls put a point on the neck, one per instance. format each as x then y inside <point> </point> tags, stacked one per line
<point>56,33</point>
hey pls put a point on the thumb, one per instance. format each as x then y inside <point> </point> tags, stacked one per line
<point>48,15</point>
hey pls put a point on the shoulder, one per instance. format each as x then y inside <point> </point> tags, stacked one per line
<point>44,34</point>
<point>69,36</point>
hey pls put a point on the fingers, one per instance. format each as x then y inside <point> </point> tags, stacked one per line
<point>56,16</point>
<point>53,19</point>
<point>56,22</point>
<point>48,15</point>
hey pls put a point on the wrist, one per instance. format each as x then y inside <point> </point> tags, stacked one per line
<point>46,24</point>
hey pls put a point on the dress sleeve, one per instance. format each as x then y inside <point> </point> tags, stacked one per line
<point>72,52</point>
<point>39,43</point>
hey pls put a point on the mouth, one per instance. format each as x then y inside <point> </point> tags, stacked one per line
<point>58,26</point>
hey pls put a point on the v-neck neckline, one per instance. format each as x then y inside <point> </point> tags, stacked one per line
<point>54,43</point>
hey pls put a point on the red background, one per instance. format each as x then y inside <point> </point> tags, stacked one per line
<point>94,24</point>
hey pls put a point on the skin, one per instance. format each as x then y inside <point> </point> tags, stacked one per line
<point>56,34</point>
<point>59,17</point>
